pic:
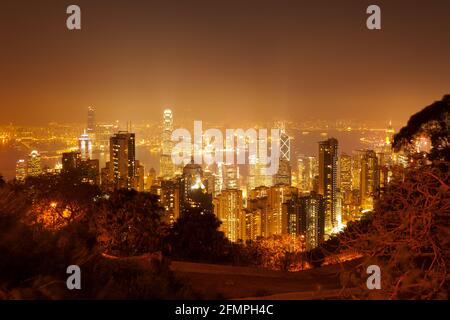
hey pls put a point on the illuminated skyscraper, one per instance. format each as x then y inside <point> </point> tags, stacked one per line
<point>170,200</point>
<point>21,170</point>
<point>218,179</point>
<point>345,172</point>
<point>228,208</point>
<point>34,164</point>
<point>283,176</point>
<point>85,146</point>
<point>328,170</point>
<point>91,120</point>
<point>345,184</point>
<point>356,169</point>
<point>258,205</point>
<point>231,176</point>
<point>313,211</point>
<point>258,174</point>
<point>166,165</point>
<point>370,179</point>
<point>123,160</point>
<point>306,216</point>
<point>307,168</point>
<point>389,134</point>
<point>252,224</point>
<point>277,195</point>
<point>194,195</point>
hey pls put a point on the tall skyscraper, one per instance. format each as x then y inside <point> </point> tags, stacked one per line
<point>356,169</point>
<point>170,200</point>
<point>21,170</point>
<point>194,195</point>
<point>277,195</point>
<point>167,168</point>
<point>345,172</point>
<point>314,213</point>
<point>345,185</point>
<point>306,216</point>
<point>258,174</point>
<point>123,160</point>
<point>307,170</point>
<point>34,164</point>
<point>258,205</point>
<point>283,176</point>
<point>328,169</point>
<point>85,146</point>
<point>370,179</point>
<point>228,208</point>
<point>90,120</point>
<point>231,176</point>
<point>389,134</point>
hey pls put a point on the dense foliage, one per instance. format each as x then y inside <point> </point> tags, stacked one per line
<point>35,254</point>
<point>408,237</point>
<point>433,122</point>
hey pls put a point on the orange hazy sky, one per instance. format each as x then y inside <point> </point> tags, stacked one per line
<point>221,60</point>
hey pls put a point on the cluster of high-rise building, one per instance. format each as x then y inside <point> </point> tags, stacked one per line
<point>30,167</point>
<point>313,199</point>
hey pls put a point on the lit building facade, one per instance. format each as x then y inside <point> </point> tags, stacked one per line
<point>123,160</point>
<point>306,216</point>
<point>90,120</point>
<point>228,208</point>
<point>283,176</point>
<point>85,146</point>
<point>370,179</point>
<point>34,167</point>
<point>328,170</point>
<point>307,170</point>
<point>166,165</point>
<point>170,199</point>
<point>194,195</point>
<point>21,170</point>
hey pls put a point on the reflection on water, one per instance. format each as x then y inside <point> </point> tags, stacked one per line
<point>302,143</point>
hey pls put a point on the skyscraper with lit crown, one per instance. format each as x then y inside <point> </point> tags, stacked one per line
<point>85,146</point>
<point>34,164</point>
<point>283,176</point>
<point>167,169</point>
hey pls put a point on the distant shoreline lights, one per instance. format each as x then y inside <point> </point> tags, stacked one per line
<point>208,147</point>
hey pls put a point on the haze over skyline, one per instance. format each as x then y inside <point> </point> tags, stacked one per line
<point>222,60</point>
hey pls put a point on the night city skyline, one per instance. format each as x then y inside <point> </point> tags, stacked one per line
<point>201,153</point>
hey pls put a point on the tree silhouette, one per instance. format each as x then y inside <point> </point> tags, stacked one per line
<point>129,223</point>
<point>195,236</point>
<point>432,121</point>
